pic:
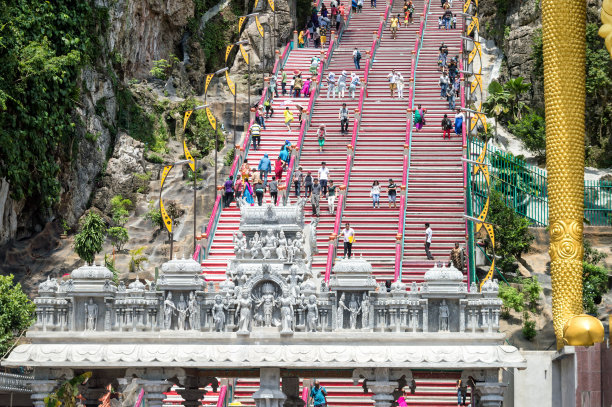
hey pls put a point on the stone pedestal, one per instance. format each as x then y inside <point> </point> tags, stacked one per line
<point>40,390</point>
<point>191,396</point>
<point>491,394</point>
<point>383,392</point>
<point>154,391</point>
<point>269,394</point>
<point>291,388</point>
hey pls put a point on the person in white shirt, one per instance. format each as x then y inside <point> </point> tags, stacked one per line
<point>444,81</point>
<point>375,194</point>
<point>323,177</point>
<point>342,84</point>
<point>348,235</point>
<point>331,84</point>
<point>400,85</point>
<point>428,234</point>
<point>354,83</point>
<point>392,77</point>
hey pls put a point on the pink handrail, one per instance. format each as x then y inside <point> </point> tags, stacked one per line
<point>221,399</point>
<point>399,247</point>
<point>305,394</point>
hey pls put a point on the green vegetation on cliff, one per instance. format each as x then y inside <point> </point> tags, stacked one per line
<point>16,312</point>
<point>43,45</point>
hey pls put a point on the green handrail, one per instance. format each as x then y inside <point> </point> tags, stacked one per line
<point>489,259</point>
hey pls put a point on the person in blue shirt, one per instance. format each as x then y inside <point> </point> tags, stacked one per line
<point>264,167</point>
<point>317,394</point>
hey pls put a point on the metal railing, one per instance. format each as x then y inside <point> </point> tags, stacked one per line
<point>16,383</point>
<point>401,228</point>
<point>241,154</point>
<point>344,188</point>
<point>524,188</point>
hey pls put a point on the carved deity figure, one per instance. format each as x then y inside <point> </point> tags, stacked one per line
<point>169,310</point>
<point>256,246</point>
<point>444,313</point>
<point>218,312</point>
<point>365,311</point>
<point>270,239</point>
<point>294,280</point>
<point>243,309</point>
<point>267,304</point>
<point>290,251</point>
<point>312,314</point>
<point>354,310</point>
<point>286,303</point>
<point>281,249</point>
<point>181,309</point>
<point>91,310</point>
<point>340,311</point>
<point>240,245</point>
<point>298,246</point>
<point>194,312</point>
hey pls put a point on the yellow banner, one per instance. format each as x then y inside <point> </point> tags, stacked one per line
<point>230,84</point>
<point>478,117</point>
<point>466,6</point>
<point>476,82</point>
<point>186,118</point>
<point>165,217</point>
<point>211,118</point>
<point>476,49</point>
<point>271,3</point>
<point>259,27</point>
<point>245,55</point>
<point>208,79</point>
<point>188,156</point>
<point>482,216</point>
<point>255,5</point>
<point>241,21</point>
<point>228,50</point>
<point>489,274</point>
<point>473,23</point>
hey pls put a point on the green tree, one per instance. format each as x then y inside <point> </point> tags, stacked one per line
<point>531,130</point>
<point>67,392</point>
<point>118,236</point>
<point>512,299</point>
<point>161,69</point>
<point>88,242</point>
<point>512,235</point>
<point>516,88</point>
<point>154,215</point>
<point>120,210</point>
<point>497,102</point>
<point>595,278</point>
<point>16,312</point>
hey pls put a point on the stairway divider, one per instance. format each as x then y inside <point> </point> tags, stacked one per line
<point>241,153</point>
<point>297,150</point>
<point>401,227</point>
<point>333,237</point>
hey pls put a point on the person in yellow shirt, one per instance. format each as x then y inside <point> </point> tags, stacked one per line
<point>288,118</point>
<point>395,22</point>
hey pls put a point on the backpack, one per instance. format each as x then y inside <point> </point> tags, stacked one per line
<point>358,56</point>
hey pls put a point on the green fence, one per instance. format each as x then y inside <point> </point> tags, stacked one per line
<point>524,188</point>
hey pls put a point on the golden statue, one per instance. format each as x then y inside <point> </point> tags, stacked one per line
<point>564,45</point>
<point>605,31</point>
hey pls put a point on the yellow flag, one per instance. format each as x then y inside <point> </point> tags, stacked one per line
<point>241,21</point>
<point>230,84</point>
<point>483,215</point>
<point>466,6</point>
<point>188,156</point>
<point>478,117</point>
<point>245,55</point>
<point>165,217</point>
<point>476,49</point>
<point>211,118</point>
<point>476,82</point>
<point>186,118</point>
<point>259,27</point>
<point>473,23</point>
<point>255,5</point>
<point>208,79</point>
<point>271,3</point>
<point>228,50</point>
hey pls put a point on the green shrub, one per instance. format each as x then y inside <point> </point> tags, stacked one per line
<point>529,331</point>
<point>154,215</point>
<point>532,290</point>
<point>120,210</point>
<point>531,130</point>
<point>118,236</point>
<point>154,158</point>
<point>511,298</point>
<point>161,69</point>
<point>229,157</point>
<point>88,242</point>
<point>16,312</point>
<point>142,182</point>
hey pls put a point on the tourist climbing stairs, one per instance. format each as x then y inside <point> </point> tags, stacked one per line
<point>435,178</point>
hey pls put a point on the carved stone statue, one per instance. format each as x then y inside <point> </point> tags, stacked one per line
<point>218,312</point>
<point>181,308</point>
<point>194,312</point>
<point>365,311</point>
<point>290,251</point>
<point>294,280</point>
<point>286,304</point>
<point>267,304</point>
<point>240,245</point>
<point>281,250</point>
<point>169,310</point>
<point>91,310</point>
<point>270,239</point>
<point>354,310</point>
<point>340,311</point>
<point>444,317</point>
<point>312,314</point>
<point>256,246</point>
<point>298,246</point>
<point>243,310</point>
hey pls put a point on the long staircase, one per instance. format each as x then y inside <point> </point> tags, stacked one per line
<point>435,178</point>
<point>272,138</point>
<point>379,153</point>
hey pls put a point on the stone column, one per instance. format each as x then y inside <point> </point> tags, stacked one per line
<point>40,390</point>
<point>491,390</point>
<point>154,391</point>
<point>269,393</point>
<point>383,392</point>
<point>291,388</point>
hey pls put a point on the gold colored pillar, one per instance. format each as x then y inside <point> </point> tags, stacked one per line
<point>563,37</point>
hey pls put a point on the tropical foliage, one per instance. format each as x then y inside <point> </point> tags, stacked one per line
<point>16,312</point>
<point>68,392</point>
<point>88,242</point>
<point>595,278</point>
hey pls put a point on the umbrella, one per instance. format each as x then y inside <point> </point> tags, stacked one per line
<point>287,102</point>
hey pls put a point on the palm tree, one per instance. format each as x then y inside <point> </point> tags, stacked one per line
<point>497,101</point>
<point>516,88</point>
